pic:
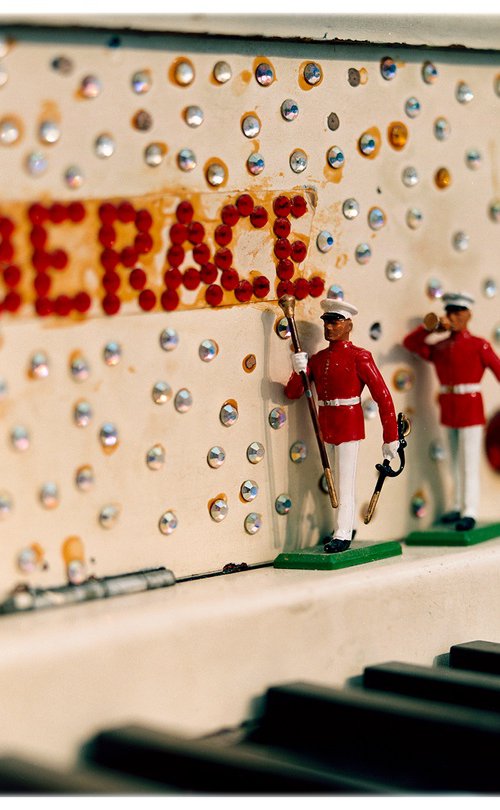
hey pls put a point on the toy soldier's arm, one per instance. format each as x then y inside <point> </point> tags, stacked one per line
<point>415,342</point>
<point>373,379</point>
<point>490,359</point>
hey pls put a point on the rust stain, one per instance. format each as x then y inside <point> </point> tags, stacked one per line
<point>49,111</point>
<point>333,175</point>
<point>378,142</point>
<point>341,261</point>
<point>220,497</point>
<point>72,549</point>
<point>363,76</point>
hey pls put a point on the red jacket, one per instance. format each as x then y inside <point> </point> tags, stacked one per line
<point>459,359</point>
<point>341,371</point>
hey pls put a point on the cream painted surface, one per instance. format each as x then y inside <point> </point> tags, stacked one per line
<point>122,395</point>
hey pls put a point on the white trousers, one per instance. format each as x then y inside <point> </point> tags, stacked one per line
<point>465,456</point>
<point>346,460</point>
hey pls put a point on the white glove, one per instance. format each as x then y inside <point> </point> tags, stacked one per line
<point>299,361</point>
<point>390,450</point>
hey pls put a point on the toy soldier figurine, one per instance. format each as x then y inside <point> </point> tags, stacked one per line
<point>460,360</point>
<point>340,372</point>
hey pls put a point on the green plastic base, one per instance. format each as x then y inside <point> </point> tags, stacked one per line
<point>442,536</point>
<point>315,558</point>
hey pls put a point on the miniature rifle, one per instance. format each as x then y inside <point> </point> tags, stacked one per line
<point>287,304</point>
<point>385,469</point>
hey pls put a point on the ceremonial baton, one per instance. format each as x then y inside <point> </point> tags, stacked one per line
<point>287,304</point>
<point>385,469</point>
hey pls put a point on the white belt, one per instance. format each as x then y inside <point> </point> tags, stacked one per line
<point>463,388</point>
<point>335,402</point>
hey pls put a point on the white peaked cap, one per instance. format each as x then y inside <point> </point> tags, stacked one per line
<point>332,303</point>
<point>459,299</point>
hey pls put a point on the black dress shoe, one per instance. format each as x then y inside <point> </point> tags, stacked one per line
<point>335,545</point>
<point>465,524</point>
<point>450,517</point>
<point>329,537</point>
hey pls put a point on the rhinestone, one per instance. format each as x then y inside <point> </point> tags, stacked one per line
<point>312,73</point>
<point>410,176</point>
<point>324,241</point>
<point>253,523</point>
<point>494,211</point>
<point>49,496</point>
<point>250,126</point>
<point>49,132</point>
<point>255,452</point>
<point>184,73</point>
<point>460,241</point>
<point>108,516</point>
<point>363,253</point>
<point>367,143</point>
<point>161,393</point>
<point>394,271</point>
<point>141,81</point>
<point>82,414</point>
<point>3,75</point>
<point>375,331</point>
<point>112,353</point>
<point>216,174</point>
<point>463,93</point>
<point>418,505</point>
<point>168,522</point>
<point>27,560</point>
<point>84,478</point>
<point>434,288</point>
<point>333,122</point>
<point>186,160</point>
<point>155,457</point>
<point>208,350</point>
<point>282,329</point>
<point>255,163</point>
<point>442,129</point>
<point>283,504</point>
<point>437,451</point>
<point>216,457</point>
<point>169,339</point>
<point>3,388</point>
<point>9,132</point>
<point>414,218</point>
<point>62,65</point>
<point>264,74</point>
<point>79,368</point>
<point>289,109</point>
<point>376,219</point>
<point>277,418</point>
<point>39,366</point>
<point>74,177</point>
<point>249,490</point>
<point>429,73</point>
<point>36,163</point>
<point>193,116</point>
<point>76,572</point>
<point>403,379</point>
<point>222,72</point>
<point>154,154</point>
<point>228,414</point>
<point>388,68</point>
<point>19,438</point>
<point>249,362</point>
<point>90,87</point>
<point>219,510</point>
<point>370,408</point>
<point>298,452</point>
<point>6,504</point>
<point>473,159</point>
<point>442,178</point>
<point>490,288</point>
<point>335,157</point>
<point>298,161</point>
<point>109,435</point>
<point>397,135</point>
<point>353,77</point>
<point>412,107</point>
<point>183,400</point>
<point>334,291</point>
<point>104,146</point>
<point>350,208</point>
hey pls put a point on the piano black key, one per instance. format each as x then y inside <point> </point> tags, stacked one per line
<point>435,683</point>
<point>19,776</point>
<point>480,656</point>
<point>421,745</point>
<point>199,766</point>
